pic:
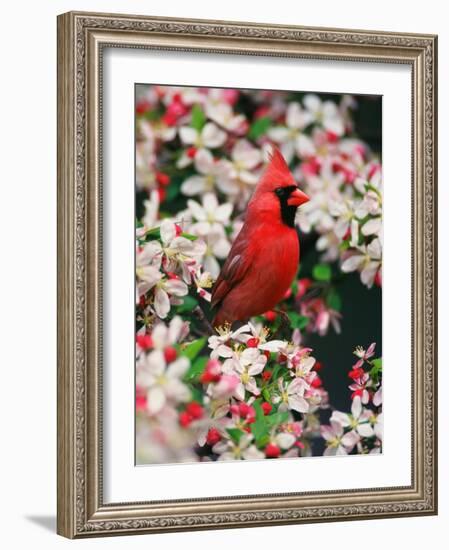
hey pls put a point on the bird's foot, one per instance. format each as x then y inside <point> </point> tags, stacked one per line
<point>284,325</point>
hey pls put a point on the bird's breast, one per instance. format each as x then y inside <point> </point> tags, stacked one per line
<point>274,267</point>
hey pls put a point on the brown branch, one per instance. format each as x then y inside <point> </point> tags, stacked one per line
<point>201,316</point>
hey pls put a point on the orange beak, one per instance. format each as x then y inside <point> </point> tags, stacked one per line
<point>297,198</point>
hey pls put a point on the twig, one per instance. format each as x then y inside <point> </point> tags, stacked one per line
<point>313,293</point>
<point>199,313</point>
<point>284,324</point>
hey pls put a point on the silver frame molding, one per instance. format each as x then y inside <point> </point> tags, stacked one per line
<point>81,39</point>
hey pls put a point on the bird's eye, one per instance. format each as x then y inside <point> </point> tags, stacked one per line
<point>279,191</point>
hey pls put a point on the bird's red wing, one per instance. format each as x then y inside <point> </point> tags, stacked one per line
<point>233,270</point>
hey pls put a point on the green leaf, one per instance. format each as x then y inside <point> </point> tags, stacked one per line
<point>263,441</point>
<point>294,287</point>
<point>198,118</point>
<point>172,191</point>
<point>235,434</point>
<point>376,371</point>
<point>277,418</point>
<point>153,234</point>
<point>334,300</point>
<point>196,368</point>
<point>189,236</point>
<point>275,373</point>
<point>297,320</point>
<point>189,304</point>
<point>193,349</point>
<point>153,114</point>
<point>322,272</point>
<point>259,428</point>
<point>259,127</point>
<point>344,245</point>
<point>266,394</point>
<point>197,394</point>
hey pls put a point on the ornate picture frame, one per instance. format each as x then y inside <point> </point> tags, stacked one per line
<point>82,38</point>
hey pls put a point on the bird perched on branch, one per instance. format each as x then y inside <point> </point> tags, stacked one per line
<point>264,257</point>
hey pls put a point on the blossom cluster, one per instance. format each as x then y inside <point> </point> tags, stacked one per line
<point>247,397</point>
<point>255,391</point>
<point>362,428</point>
<point>240,395</point>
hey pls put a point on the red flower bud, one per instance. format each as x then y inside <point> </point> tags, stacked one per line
<point>169,119</point>
<point>266,407</point>
<point>316,382</point>
<point>270,316</point>
<point>195,410</point>
<point>144,341</point>
<point>332,137</point>
<point>356,373</point>
<point>244,409</point>
<point>143,105</point>
<point>185,419</point>
<point>272,451</point>
<point>378,279</point>
<point>266,375</point>
<point>191,152</point>
<point>170,354</point>
<point>213,436</point>
<point>141,402</point>
<point>162,178</point>
<point>303,286</point>
<point>212,372</point>
<point>336,166</point>
<point>252,342</point>
<point>162,194</point>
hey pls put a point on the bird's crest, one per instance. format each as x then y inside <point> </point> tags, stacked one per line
<point>277,161</point>
<point>277,173</point>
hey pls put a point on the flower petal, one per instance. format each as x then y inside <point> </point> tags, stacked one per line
<point>188,135</point>
<point>168,232</point>
<point>212,136</point>
<point>176,287</point>
<point>273,346</point>
<point>356,408</point>
<point>365,430</point>
<point>193,185</point>
<point>372,227</point>
<point>352,263</point>
<point>298,403</point>
<point>204,161</point>
<point>197,210</point>
<point>340,418</point>
<point>155,399</point>
<point>285,440</point>
<point>161,303</point>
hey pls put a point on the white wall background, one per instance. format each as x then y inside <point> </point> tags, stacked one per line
<point>28,270</point>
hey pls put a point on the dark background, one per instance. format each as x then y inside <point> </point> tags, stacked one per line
<point>361,321</point>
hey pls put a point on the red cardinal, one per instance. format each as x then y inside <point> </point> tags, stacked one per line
<point>264,257</point>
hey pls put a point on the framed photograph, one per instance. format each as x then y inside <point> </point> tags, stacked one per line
<point>246,274</point>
